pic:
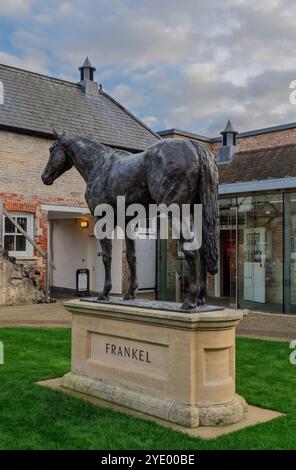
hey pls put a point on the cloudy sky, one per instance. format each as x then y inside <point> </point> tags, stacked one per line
<point>187,64</point>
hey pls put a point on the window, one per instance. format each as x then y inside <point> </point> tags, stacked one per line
<point>14,240</point>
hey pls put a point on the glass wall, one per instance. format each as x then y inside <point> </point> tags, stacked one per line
<point>257,256</point>
<point>260,252</point>
<point>290,253</point>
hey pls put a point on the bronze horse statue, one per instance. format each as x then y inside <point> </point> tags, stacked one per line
<point>170,171</point>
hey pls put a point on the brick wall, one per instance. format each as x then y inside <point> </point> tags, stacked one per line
<point>22,161</point>
<point>269,139</point>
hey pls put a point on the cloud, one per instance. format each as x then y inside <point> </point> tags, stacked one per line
<point>190,65</point>
<point>15,7</point>
<point>31,60</point>
<point>64,8</point>
<point>128,97</point>
<point>151,121</point>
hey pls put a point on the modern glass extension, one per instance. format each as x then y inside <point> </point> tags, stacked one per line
<point>257,262</point>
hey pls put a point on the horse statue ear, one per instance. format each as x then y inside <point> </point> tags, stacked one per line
<point>56,135</point>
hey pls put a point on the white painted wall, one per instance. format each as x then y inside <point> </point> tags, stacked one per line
<point>74,248</point>
<point>97,267</point>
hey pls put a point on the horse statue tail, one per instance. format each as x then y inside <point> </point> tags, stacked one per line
<point>208,196</point>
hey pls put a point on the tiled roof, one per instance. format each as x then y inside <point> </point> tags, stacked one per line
<point>37,103</point>
<point>260,164</point>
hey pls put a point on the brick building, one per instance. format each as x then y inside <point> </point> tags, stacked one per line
<point>257,169</point>
<point>257,191</point>
<point>33,105</point>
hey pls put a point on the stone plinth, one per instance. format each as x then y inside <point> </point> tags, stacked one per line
<point>176,366</point>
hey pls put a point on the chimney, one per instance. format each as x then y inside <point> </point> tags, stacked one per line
<point>87,78</point>
<point>229,147</point>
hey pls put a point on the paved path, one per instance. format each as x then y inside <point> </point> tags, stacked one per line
<point>53,314</point>
<point>45,315</point>
<point>254,325</point>
<point>268,326</point>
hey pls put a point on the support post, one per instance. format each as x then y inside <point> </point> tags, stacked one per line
<point>47,279</point>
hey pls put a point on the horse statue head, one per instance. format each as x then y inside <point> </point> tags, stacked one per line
<point>59,161</point>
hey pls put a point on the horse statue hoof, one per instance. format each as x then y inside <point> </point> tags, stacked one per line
<point>187,305</point>
<point>103,297</point>
<point>129,296</point>
<point>200,301</point>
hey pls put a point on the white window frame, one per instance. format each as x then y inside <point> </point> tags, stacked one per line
<point>30,231</point>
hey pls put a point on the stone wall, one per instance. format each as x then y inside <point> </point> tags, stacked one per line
<point>19,281</point>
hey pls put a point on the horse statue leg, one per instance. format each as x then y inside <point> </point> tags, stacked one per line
<point>106,245</point>
<point>202,279</point>
<point>191,258</point>
<point>132,262</point>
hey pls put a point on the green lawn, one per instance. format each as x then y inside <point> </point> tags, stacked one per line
<point>33,417</point>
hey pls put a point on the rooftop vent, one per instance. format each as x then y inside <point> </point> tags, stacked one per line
<point>87,78</point>
<point>87,71</point>
<point>229,147</point>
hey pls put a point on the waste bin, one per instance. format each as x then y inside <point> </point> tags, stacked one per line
<point>82,282</point>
